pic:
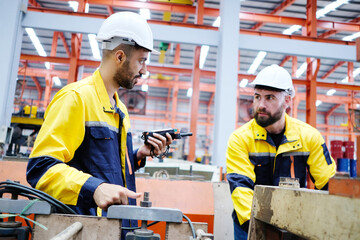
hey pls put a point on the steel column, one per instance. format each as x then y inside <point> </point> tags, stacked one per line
<point>195,87</point>
<point>11,15</point>
<point>226,79</point>
<point>176,88</point>
<point>350,69</point>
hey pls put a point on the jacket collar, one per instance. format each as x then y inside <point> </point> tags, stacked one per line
<point>102,93</point>
<point>290,134</point>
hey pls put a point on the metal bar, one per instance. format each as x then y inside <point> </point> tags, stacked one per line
<point>69,232</point>
<point>312,68</point>
<point>332,69</point>
<point>176,88</point>
<point>208,113</point>
<point>311,20</point>
<point>294,66</point>
<point>144,213</point>
<point>195,88</point>
<point>75,47</point>
<point>110,9</point>
<point>67,49</point>
<point>18,205</point>
<point>285,59</point>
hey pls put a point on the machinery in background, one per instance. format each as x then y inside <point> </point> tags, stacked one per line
<point>5,138</point>
<point>134,100</point>
<point>175,169</point>
<point>26,123</point>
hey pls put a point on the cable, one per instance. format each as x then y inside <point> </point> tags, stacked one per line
<point>32,193</point>
<point>134,228</point>
<point>191,226</point>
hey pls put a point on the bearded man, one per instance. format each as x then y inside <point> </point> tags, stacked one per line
<point>273,145</point>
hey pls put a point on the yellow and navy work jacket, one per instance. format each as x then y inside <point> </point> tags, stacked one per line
<point>83,142</point>
<point>252,158</point>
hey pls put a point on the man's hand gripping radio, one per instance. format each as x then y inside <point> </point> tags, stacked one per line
<point>175,134</point>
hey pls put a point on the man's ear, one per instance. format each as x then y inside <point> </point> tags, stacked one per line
<point>288,100</point>
<point>120,56</point>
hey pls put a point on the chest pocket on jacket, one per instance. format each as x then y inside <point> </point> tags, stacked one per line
<point>263,169</point>
<point>104,149</point>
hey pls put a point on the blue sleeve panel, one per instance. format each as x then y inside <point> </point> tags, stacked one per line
<point>326,154</point>
<point>37,167</point>
<point>236,180</point>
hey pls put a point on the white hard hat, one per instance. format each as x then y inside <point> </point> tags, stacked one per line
<point>276,77</point>
<point>128,28</point>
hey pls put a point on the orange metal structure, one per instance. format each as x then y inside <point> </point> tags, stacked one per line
<point>310,24</point>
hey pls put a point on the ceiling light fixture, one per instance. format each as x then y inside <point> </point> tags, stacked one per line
<point>144,87</point>
<point>330,7</point>
<point>38,46</point>
<point>203,54</point>
<point>205,48</point>
<point>356,72</point>
<point>189,92</point>
<point>217,22</point>
<point>259,58</point>
<point>87,7</point>
<point>292,29</point>
<point>145,13</point>
<point>351,37</point>
<point>56,81</point>
<point>243,83</point>
<point>331,92</point>
<point>318,102</point>
<point>301,70</point>
<point>74,5</point>
<point>36,42</point>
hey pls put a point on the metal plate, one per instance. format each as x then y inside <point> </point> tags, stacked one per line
<point>17,206</point>
<point>143,213</point>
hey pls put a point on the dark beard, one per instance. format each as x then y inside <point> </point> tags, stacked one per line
<point>264,122</point>
<point>123,76</point>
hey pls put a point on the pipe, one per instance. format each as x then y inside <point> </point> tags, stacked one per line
<point>69,232</point>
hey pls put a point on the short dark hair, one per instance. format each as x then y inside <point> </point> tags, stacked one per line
<point>127,48</point>
<point>263,87</point>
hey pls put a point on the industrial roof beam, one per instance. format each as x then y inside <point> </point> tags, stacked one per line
<point>67,49</point>
<point>175,34</point>
<point>332,69</point>
<point>169,70</point>
<point>258,17</point>
<point>205,87</point>
<point>282,6</point>
<point>246,16</point>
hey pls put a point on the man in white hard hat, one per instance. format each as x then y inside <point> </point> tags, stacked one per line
<point>83,154</point>
<point>273,145</point>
